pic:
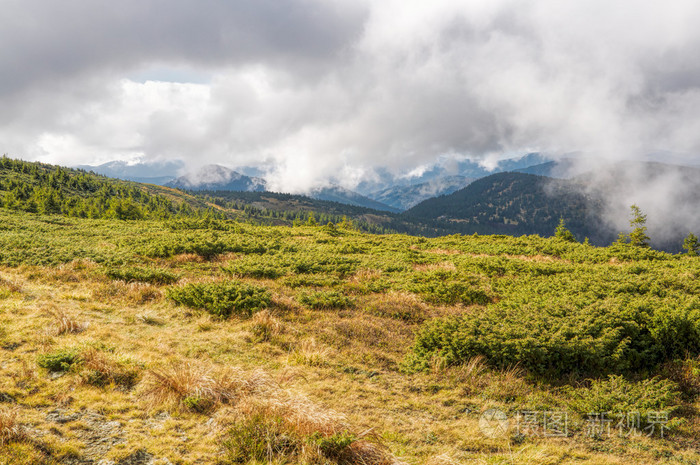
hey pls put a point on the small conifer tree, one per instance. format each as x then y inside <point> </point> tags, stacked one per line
<point>692,245</point>
<point>638,237</point>
<point>563,233</point>
<point>312,220</point>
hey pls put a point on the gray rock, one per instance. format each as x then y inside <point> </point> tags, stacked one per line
<point>61,417</point>
<point>140,457</point>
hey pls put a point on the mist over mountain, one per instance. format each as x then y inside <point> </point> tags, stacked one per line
<point>342,195</point>
<point>593,196</point>
<point>154,172</point>
<point>441,170</point>
<point>220,178</point>
<point>404,197</point>
<point>595,204</point>
<point>668,194</point>
<point>564,168</point>
<point>217,177</point>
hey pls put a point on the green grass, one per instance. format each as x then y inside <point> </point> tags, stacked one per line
<point>411,338</point>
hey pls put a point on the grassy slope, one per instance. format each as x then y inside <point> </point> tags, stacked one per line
<point>349,360</point>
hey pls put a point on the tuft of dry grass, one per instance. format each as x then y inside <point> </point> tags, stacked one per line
<point>63,323</point>
<point>444,251</point>
<point>398,305</point>
<point>366,274</point>
<point>186,258</point>
<point>442,459</point>
<point>286,427</point>
<point>25,374</point>
<point>130,293</point>
<point>507,385</point>
<point>197,386</point>
<point>286,303</point>
<point>449,266</point>
<point>100,369</point>
<point>149,319</point>
<point>11,286</point>
<point>310,353</point>
<point>10,428</point>
<point>473,375</point>
<point>73,272</point>
<point>265,327</point>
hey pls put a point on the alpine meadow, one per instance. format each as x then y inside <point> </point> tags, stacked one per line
<point>141,324</point>
<point>349,232</point>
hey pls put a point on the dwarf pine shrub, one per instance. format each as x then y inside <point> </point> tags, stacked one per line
<point>612,336</point>
<point>59,360</point>
<point>324,300</point>
<point>617,395</point>
<point>222,299</point>
<point>447,288</point>
<point>143,275</point>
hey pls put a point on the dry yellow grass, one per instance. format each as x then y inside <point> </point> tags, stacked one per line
<point>342,375</point>
<point>398,305</point>
<point>101,369</point>
<point>266,327</point>
<point>10,428</point>
<point>449,266</point>
<point>310,353</point>
<point>10,285</point>
<point>308,427</point>
<point>199,386</point>
<point>128,293</point>
<point>64,323</point>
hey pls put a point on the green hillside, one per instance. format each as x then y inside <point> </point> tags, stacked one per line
<point>193,340</point>
<point>49,189</point>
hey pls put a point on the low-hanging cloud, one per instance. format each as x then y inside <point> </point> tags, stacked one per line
<point>315,90</point>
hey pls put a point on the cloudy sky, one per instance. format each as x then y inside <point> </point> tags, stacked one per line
<point>312,89</point>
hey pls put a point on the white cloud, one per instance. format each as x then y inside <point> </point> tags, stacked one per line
<point>314,90</point>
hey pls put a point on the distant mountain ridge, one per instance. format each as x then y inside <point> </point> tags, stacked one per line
<point>217,177</point>
<point>517,203</point>
<point>595,204</point>
<point>220,178</point>
<point>342,195</point>
<point>157,172</point>
<point>387,192</point>
<point>404,197</point>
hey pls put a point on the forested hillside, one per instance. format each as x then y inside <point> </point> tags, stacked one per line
<point>48,189</point>
<point>517,203</point>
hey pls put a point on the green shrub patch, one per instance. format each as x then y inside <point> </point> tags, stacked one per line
<point>222,299</point>
<point>143,275</point>
<point>321,300</point>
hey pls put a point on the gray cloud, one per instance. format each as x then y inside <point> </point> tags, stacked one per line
<point>317,89</point>
<point>45,41</point>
